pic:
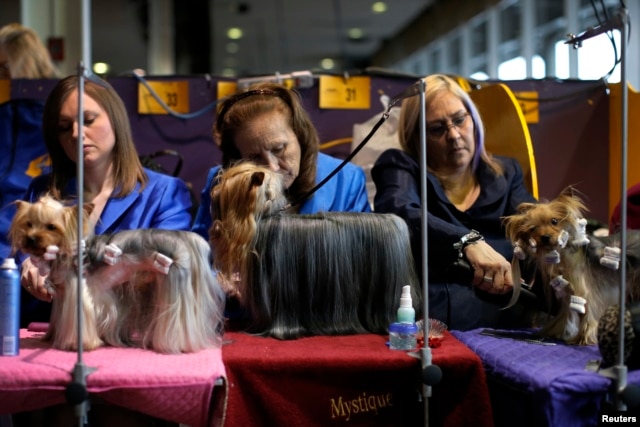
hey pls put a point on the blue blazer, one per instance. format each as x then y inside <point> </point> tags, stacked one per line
<point>24,157</point>
<point>165,203</point>
<point>345,192</point>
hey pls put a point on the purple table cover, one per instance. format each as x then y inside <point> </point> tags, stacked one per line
<point>563,391</point>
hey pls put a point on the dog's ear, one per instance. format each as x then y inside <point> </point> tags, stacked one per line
<point>88,208</point>
<point>568,191</point>
<point>215,231</point>
<point>570,197</point>
<point>525,207</point>
<point>21,204</point>
<point>257,178</point>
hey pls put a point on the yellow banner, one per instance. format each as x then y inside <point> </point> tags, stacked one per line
<point>346,93</point>
<point>174,94</point>
<point>226,89</point>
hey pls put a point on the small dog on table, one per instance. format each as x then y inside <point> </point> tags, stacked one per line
<point>149,288</point>
<point>579,271</point>
<point>332,273</point>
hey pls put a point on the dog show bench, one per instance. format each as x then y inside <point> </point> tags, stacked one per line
<point>254,381</point>
<point>353,380</point>
<point>187,388</point>
<point>541,384</point>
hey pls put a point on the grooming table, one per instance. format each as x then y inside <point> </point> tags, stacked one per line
<point>541,385</point>
<point>176,388</point>
<point>348,380</point>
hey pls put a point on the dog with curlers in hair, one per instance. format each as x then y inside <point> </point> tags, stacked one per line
<point>580,272</point>
<point>148,288</point>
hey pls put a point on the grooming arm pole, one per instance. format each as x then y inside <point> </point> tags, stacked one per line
<point>623,393</point>
<point>620,370</point>
<point>76,391</point>
<point>431,373</point>
<point>425,352</point>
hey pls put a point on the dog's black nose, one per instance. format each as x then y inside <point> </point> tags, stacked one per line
<point>546,239</point>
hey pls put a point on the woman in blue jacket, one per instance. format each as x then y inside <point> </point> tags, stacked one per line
<point>124,194</point>
<point>268,125</point>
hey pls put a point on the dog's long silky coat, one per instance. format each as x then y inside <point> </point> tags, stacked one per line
<point>147,288</point>
<point>550,237</point>
<point>330,273</point>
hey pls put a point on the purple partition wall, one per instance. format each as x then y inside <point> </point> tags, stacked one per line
<point>189,137</point>
<point>570,139</point>
<point>192,137</point>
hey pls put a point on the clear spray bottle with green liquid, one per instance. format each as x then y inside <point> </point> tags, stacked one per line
<point>403,332</point>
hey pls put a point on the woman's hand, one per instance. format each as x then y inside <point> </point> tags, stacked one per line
<point>491,271</point>
<point>33,281</point>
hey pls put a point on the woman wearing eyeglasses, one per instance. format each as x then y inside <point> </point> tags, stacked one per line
<point>468,192</point>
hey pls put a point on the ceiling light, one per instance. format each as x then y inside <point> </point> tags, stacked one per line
<point>355,33</point>
<point>233,47</point>
<point>234,33</point>
<point>101,68</point>
<point>379,7</point>
<point>228,72</point>
<point>327,64</point>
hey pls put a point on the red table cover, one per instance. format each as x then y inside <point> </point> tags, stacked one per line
<point>348,380</point>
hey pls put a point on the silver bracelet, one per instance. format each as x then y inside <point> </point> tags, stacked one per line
<point>470,238</point>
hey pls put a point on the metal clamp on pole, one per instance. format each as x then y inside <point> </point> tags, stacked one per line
<point>299,79</point>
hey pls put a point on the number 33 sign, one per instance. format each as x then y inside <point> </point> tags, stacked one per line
<point>174,94</point>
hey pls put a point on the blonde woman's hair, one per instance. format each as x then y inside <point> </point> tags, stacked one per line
<point>27,56</point>
<point>409,126</point>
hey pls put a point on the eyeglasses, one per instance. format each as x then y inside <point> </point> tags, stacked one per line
<point>436,132</point>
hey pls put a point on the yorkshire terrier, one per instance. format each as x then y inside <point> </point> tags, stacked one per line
<point>579,271</point>
<point>299,275</point>
<point>149,288</point>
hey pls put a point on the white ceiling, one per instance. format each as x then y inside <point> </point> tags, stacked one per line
<point>282,36</point>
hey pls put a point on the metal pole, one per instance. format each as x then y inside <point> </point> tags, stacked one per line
<point>620,369</point>
<point>425,352</point>
<point>618,372</point>
<point>77,390</point>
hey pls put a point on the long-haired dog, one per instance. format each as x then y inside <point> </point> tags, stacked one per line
<point>306,274</point>
<point>578,271</point>
<point>147,288</point>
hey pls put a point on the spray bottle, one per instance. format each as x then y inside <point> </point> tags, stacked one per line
<point>9,308</point>
<point>403,332</point>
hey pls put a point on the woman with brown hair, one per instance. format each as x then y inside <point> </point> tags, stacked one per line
<point>268,125</point>
<point>124,194</point>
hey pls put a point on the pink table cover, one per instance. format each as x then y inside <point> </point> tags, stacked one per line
<point>177,388</point>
